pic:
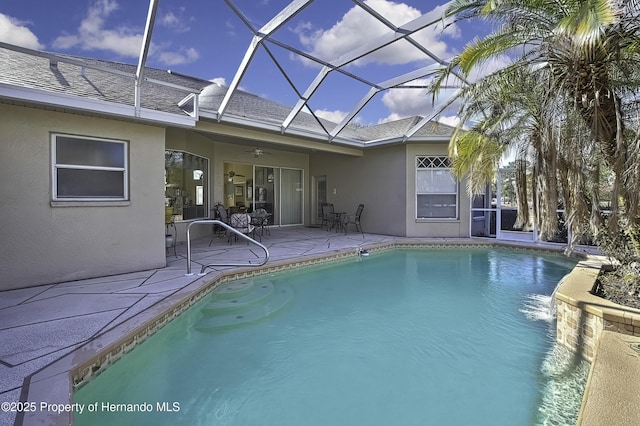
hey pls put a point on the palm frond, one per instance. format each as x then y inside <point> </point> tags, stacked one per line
<point>589,21</point>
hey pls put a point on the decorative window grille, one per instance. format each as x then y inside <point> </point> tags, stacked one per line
<point>433,163</point>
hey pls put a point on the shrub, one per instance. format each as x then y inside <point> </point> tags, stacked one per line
<point>621,284</point>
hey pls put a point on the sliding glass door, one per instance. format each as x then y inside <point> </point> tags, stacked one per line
<point>280,192</point>
<point>291,199</point>
<point>264,193</point>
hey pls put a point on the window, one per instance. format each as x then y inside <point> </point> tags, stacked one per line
<point>186,185</point>
<point>436,189</point>
<point>89,169</point>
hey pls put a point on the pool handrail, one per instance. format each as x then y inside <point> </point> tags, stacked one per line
<point>230,229</point>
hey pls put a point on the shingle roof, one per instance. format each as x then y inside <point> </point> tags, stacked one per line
<point>244,104</point>
<point>389,129</point>
<point>68,76</point>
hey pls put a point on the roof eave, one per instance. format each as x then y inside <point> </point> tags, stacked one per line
<point>403,139</point>
<point>277,128</point>
<point>61,100</point>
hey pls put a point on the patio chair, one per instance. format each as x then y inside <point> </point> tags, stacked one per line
<point>242,222</point>
<point>328,216</point>
<point>353,219</point>
<point>260,219</point>
<point>219,213</point>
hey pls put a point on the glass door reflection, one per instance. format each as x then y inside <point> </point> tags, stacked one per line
<point>264,194</point>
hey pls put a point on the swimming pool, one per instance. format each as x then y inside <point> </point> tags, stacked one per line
<point>404,337</point>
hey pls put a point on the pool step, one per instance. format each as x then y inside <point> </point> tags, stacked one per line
<point>257,294</point>
<point>261,307</point>
<point>233,289</point>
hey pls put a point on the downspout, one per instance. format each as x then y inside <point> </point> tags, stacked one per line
<point>144,51</point>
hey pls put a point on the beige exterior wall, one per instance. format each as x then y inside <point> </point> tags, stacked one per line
<point>376,179</point>
<point>45,244</point>
<point>384,180</point>
<point>49,242</point>
<point>433,227</point>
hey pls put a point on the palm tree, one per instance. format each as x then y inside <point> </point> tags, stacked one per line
<point>582,56</point>
<point>517,103</point>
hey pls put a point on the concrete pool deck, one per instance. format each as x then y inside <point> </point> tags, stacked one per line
<point>612,396</point>
<point>48,331</point>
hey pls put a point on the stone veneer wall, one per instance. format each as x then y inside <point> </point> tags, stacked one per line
<point>582,316</point>
<point>578,330</point>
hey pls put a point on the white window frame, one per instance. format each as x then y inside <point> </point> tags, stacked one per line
<point>55,166</point>
<point>440,163</point>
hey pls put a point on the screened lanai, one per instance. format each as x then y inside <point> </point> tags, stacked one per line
<point>333,65</point>
<point>351,65</point>
<point>399,55</point>
<point>394,59</point>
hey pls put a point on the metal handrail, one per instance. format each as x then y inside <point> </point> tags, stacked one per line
<point>228,228</point>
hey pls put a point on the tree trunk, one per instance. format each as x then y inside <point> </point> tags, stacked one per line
<point>522,219</point>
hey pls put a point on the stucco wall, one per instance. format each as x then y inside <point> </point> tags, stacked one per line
<point>45,244</point>
<point>451,228</point>
<point>384,180</point>
<point>377,180</point>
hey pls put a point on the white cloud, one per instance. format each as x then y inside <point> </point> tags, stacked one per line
<point>231,28</point>
<point>426,110</point>
<point>408,102</point>
<point>391,117</point>
<point>403,103</point>
<point>220,81</point>
<point>169,20</point>
<point>67,41</point>
<point>357,28</point>
<point>94,34</point>
<point>452,121</point>
<point>335,116</point>
<point>182,56</point>
<point>13,31</point>
<point>411,102</point>
<point>176,21</point>
<point>489,67</point>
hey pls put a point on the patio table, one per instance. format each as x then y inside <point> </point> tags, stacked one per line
<point>337,220</point>
<point>261,221</point>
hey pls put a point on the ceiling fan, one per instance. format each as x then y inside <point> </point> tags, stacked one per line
<point>231,175</point>
<point>257,151</point>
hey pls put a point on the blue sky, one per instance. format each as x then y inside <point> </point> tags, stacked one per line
<point>206,39</point>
